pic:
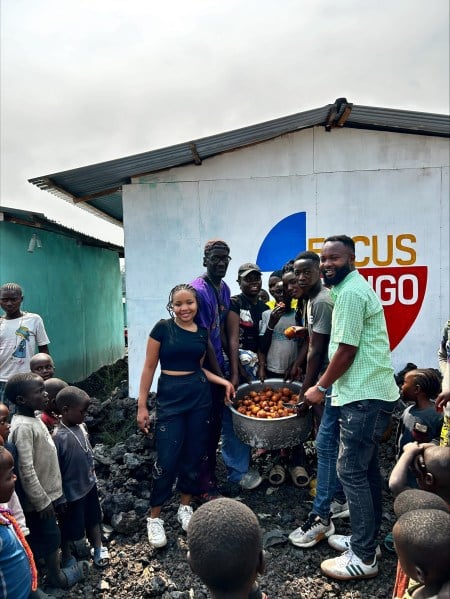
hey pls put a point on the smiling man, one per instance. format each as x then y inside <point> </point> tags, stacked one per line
<point>365,392</point>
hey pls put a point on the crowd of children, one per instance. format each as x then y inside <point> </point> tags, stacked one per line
<point>45,453</point>
<point>48,493</point>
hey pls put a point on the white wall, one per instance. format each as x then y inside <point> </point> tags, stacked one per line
<point>382,187</point>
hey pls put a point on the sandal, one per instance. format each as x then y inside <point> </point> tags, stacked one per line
<point>100,555</point>
<point>389,542</point>
<point>76,573</point>
<point>299,476</point>
<point>277,475</point>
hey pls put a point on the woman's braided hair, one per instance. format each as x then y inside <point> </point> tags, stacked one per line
<point>180,287</point>
<point>429,381</point>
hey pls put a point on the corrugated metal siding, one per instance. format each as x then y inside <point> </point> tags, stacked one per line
<point>105,179</point>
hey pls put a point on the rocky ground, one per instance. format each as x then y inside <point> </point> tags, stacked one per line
<point>124,459</point>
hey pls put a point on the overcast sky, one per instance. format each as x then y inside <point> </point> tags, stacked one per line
<point>84,81</point>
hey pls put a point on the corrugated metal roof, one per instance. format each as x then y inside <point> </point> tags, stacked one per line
<point>98,186</point>
<point>36,220</point>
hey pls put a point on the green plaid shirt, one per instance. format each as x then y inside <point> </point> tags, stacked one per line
<point>358,320</point>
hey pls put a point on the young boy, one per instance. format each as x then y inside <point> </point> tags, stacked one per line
<point>50,415</point>
<point>430,465</point>
<point>20,332</point>
<point>13,504</point>
<point>422,542</point>
<point>40,477</point>
<point>17,568</point>
<point>225,549</point>
<point>43,365</point>
<point>76,460</point>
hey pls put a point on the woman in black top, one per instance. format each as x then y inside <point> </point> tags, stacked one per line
<point>183,404</point>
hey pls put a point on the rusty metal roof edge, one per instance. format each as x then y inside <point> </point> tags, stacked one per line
<point>38,218</point>
<point>102,176</point>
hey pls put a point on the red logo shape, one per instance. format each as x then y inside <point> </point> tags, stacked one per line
<point>401,290</point>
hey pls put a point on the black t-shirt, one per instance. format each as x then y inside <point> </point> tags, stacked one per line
<point>180,349</point>
<point>249,320</point>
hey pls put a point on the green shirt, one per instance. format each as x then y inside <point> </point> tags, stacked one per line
<point>358,320</point>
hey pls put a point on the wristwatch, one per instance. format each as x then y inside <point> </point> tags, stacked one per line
<point>321,389</point>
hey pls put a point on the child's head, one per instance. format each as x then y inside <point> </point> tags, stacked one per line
<point>11,297</point>
<point>7,476</point>
<point>418,499</point>
<point>53,386</point>
<point>27,391</point>
<point>263,296</point>
<point>421,381</point>
<point>183,302</point>
<point>4,423</point>
<point>274,278</point>
<point>225,546</point>
<point>72,403</point>
<point>431,467</point>
<point>422,542</point>
<point>43,365</point>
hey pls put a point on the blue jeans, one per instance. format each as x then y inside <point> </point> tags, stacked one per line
<point>362,426</point>
<point>327,445</point>
<point>235,454</point>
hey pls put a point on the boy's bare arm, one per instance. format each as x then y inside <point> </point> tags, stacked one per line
<point>399,475</point>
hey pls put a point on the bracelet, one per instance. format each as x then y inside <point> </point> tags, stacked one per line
<point>269,329</point>
<point>321,389</point>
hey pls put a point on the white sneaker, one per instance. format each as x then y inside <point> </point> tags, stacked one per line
<point>311,532</point>
<point>156,534</point>
<point>184,516</point>
<point>339,510</point>
<point>349,566</point>
<point>342,543</point>
<point>251,480</point>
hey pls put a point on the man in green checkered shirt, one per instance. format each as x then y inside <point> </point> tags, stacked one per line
<point>365,391</point>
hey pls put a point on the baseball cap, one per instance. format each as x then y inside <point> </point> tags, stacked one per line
<point>247,268</point>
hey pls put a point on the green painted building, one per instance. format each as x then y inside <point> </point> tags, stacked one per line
<point>74,282</point>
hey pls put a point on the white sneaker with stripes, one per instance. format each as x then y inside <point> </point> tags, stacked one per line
<point>349,566</point>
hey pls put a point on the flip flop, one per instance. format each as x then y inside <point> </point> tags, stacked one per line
<point>277,475</point>
<point>100,555</point>
<point>389,542</point>
<point>76,573</point>
<point>299,476</point>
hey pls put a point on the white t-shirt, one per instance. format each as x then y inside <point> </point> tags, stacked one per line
<point>18,340</point>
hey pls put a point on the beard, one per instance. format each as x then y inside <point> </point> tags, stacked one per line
<point>339,275</point>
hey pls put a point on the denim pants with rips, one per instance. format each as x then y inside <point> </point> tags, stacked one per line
<point>362,424</point>
<point>327,445</point>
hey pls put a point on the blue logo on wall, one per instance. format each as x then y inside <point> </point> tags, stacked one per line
<point>284,241</point>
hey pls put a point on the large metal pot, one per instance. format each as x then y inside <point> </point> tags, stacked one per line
<point>270,434</point>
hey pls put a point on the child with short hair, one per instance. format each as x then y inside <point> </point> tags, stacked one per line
<point>14,504</point>
<point>422,542</point>
<point>50,415</point>
<point>43,365</point>
<point>17,567</point>
<point>225,549</point>
<point>76,460</point>
<point>430,465</point>
<point>40,477</point>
